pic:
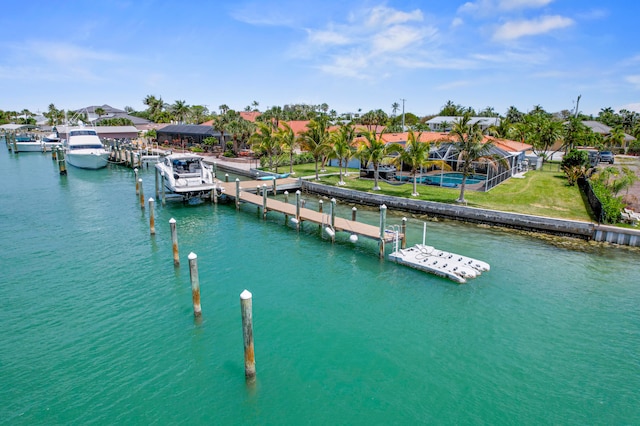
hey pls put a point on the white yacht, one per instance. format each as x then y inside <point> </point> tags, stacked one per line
<point>187,175</point>
<point>84,149</point>
<point>51,141</point>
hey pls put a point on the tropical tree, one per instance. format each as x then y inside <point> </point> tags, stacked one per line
<point>574,165</point>
<point>100,112</point>
<point>288,142</point>
<point>394,108</point>
<point>372,148</point>
<point>472,149</point>
<point>155,107</point>
<point>180,109</point>
<point>265,141</point>
<point>415,155</point>
<point>316,140</point>
<point>342,146</point>
<point>616,139</point>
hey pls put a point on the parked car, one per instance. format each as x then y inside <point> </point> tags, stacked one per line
<point>606,157</point>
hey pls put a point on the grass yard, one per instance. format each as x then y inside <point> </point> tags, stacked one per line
<point>541,192</point>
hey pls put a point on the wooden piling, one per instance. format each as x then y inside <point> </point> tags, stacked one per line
<point>152,217</point>
<point>62,165</point>
<point>264,201</point>
<point>237,191</point>
<point>162,190</point>
<point>156,171</point>
<point>226,177</point>
<point>247,334</point>
<point>383,225</point>
<point>275,187</point>
<point>174,242</point>
<point>141,194</point>
<point>403,231</point>
<point>298,209</point>
<point>135,173</point>
<point>54,153</point>
<point>195,284</point>
<point>333,213</point>
<point>354,211</point>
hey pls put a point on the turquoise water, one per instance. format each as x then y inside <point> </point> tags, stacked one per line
<point>97,325</point>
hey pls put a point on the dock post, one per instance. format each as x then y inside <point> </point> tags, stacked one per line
<point>275,187</point>
<point>62,166</point>
<point>174,242</point>
<point>286,197</point>
<point>164,198</point>
<point>298,209</point>
<point>264,201</point>
<point>135,173</point>
<point>141,194</point>
<point>132,157</point>
<point>320,203</point>
<point>15,143</point>
<point>54,153</point>
<point>214,191</point>
<point>152,217</point>
<point>195,284</point>
<point>403,231</point>
<point>354,211</point>
<point>157,187</point>
<point>247,334</point>
<point>237,191</point>
<point>383,225</point>
<point>333,213</point>
<point>215,167</point>
<point>226,177</point>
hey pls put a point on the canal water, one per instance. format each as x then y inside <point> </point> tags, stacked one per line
<point>97,324</point>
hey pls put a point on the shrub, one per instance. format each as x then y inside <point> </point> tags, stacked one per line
<point>575,164</point>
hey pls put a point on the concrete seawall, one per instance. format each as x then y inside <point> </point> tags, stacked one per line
<point>576,229</point>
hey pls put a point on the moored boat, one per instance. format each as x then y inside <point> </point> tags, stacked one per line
<point>187,175</point>
<point>84,149</point>
<point>27,143</point>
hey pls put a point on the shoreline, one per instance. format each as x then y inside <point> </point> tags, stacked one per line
<point>587,231</point>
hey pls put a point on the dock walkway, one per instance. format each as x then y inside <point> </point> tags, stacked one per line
<point>249,194</point>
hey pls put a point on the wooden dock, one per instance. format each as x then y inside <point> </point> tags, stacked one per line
<point>249,193</point>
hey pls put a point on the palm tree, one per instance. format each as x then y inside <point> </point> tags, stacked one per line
<point>155,107</point>
<point>265,140</point>
<point>471,149</point>
<point>394,108</point>
<point>288,142</point>
<point>415,155</point>
<point>180,109</point>
<point>373,149</point>
<point>342,146</point>
<point>100,112</point>
<point>316,139</point>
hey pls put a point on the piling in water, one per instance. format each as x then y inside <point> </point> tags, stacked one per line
<point>247,334</point>
<point>152,217</point>
<point>157,183</point>
<point>141,194</point>
<point>354,212</point>
<point>403,231</point>
<point>164,198</point>
<point>383,225</point>
<point>195,284</point>
<point>237,191</point>
<point>62,165</point>
<point>264,201</point>
<point>135,173</point>
<point>174,241</point>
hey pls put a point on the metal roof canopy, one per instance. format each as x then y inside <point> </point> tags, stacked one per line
<point>17,126</point>
<point>188,129</point>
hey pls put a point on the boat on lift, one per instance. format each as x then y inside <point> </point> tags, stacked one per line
<point>27,143</point>
<point>51,141</point>
<point>187,175</point>
<point>84,149</point>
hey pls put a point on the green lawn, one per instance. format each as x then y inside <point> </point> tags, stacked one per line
<point>541,192</point>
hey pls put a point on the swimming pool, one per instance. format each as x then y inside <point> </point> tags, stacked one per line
<point>451,179</point>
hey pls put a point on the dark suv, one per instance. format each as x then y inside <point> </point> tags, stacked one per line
<point>606,157</point>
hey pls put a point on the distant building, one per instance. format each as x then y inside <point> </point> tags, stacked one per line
<point>604,130</point>
<point>445,123</point>
<point>110,112</point>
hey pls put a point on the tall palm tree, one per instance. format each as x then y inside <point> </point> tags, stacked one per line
<point>416,155</point>
<point>394,108</point>
<point>316,139</point>
<point>180,109</point>
<point>471,148</point>
<point>288,142</point>
<point>265,140</point>
<point>154,106</point>
<point>372,148</point>
<point>342,146</point>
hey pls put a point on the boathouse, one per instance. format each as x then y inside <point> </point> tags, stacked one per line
<point>187,134</point>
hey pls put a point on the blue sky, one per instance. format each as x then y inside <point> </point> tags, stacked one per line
<point>349,54</point>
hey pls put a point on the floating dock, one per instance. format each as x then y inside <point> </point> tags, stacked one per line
<point>456,267</point>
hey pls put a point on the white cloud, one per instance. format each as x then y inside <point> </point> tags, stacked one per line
<point>515,29</point>
<point>385,16</point>
<point>396,38</point>
<point>327,37</point>
<point>457,22</point>
<point>634,80</point>
<point>486,7</point>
